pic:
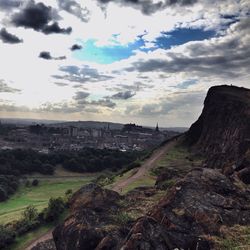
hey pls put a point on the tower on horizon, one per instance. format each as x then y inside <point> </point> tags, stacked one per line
<point>157,127</point>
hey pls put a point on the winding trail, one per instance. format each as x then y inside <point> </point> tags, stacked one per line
<point>145,167</point>
<point>44,237</point>
<point>120,185</point>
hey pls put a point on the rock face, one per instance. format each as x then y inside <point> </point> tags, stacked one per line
<point>89,224</point>
<point>222,132</point>
<point>193,209</point>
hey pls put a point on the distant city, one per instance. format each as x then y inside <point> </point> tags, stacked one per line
<point>74,136</point>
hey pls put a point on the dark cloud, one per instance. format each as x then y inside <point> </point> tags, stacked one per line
<point>103,103</point>
<point>7,37</point>
<point>38,16</point>
<point>75,9</point>
<point>227,56</point>
<point>75,47</point>
<point>81,75</point>
<point>55,28</point>
<point>82,102</point>
<point>61,84</point>
<point>123,95</point>
<point>80,95</point>
<point>179,101</point>
<point>4,88</point>
<point>47,56</point>
<point>149,6</point>
<point>9,4</point>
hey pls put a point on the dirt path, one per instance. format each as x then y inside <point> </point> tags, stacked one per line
<point>146,166</point>
<point>42,238</point>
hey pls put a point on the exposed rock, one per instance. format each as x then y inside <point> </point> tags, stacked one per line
<point>90,222</point>
<point>222,132</point>
<point>195,207</point>
<point>45,245</point>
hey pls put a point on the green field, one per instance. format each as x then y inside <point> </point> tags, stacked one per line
<point>39,196</point>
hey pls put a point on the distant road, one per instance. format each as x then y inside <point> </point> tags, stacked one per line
<point>146,166</point>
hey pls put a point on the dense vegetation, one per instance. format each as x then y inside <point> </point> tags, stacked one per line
<point>31,220</point>
<point>14,163</point>
<point>24,161</point>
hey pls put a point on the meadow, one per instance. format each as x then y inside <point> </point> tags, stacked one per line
<point>38,196</point>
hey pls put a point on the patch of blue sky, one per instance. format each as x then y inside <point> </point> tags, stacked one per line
<point>186,84</point>
<point>181,36</point>
<point>108,54</point>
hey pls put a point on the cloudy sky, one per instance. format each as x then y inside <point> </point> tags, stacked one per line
<point>142,61</point>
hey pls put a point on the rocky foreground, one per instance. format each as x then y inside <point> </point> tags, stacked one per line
<point>206,206</point>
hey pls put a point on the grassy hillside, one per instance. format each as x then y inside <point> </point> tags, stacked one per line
<point>39,196</point>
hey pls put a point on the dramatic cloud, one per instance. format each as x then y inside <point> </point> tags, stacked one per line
<point>61,84</point>
<point>55,28</point>
<point>38,16</point>
<point>150,6</point>
<point>224,56</point>
<point>82,75</point>
<point>74,8</point>
<point>9,4</point>
<point>123,95</point>
<point>7,37</point>
<point>75,47</point>
<point>81,102</point>
<point>4,88</point>
<point>47,56</point>
<point>178,106</point>
<point>80,95</point>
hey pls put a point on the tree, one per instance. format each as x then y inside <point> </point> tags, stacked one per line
<point>55,207</point>
<point>7,236</point>
<point>30,214</point>
<point>35,183</point>
<point>3,194</point>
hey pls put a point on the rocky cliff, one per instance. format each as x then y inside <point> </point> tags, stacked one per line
<point>222,132</point>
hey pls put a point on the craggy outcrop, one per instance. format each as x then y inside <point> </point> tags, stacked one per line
<point>222,132</point>
<point>193,209</point>
<point>45,245</point>
<point>90,222</point>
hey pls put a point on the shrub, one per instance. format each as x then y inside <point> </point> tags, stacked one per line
<point>30,214</point>
<point>35,183</point>
<point>55,207</point>
<point>3,194</point>
<point>7,236</point>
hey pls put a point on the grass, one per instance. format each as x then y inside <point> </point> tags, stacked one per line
<point>25,240</point>
<point>146,181</point>
<point>179,158</point>
<point>38,196</point>
<point>121,177</point>
<point>234,238</point>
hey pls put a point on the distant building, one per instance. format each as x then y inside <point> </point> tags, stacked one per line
<point>157,128</point>
<point>73,131</point>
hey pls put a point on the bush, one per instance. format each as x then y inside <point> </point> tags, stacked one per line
<point>35,183</point>
<point>30,214</point>
<point>7,236</point>
<point>55,207</point>
<point>3,194</point>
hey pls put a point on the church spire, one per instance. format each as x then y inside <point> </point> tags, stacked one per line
<point>157,127</point>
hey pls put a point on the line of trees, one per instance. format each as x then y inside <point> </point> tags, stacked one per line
<point>14,163</point>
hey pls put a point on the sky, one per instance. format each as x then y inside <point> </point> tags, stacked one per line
<point>140,61</point>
